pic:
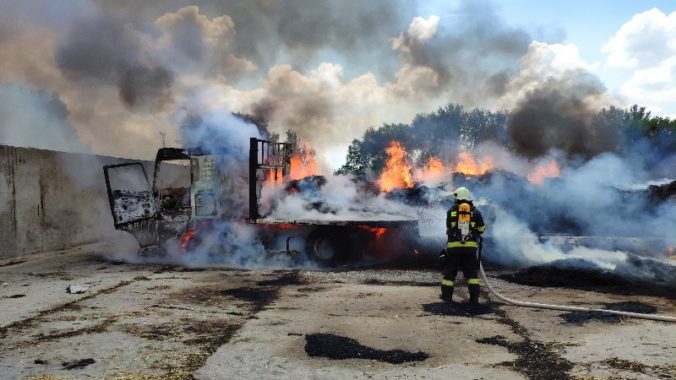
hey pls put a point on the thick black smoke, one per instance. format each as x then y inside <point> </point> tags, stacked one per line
<point>475,57</point>
<point>296,30</point>
<point>558,115</point>
<point>142,85</point>
<point>472,59</point>
<point>110,51</point>
<point>311,111</point>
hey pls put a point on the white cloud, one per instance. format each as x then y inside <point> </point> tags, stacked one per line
<point>645,41</point>
<point>646,44</point>
<point>421,29</point>
<point>419,32</point>
<point>653,87</point>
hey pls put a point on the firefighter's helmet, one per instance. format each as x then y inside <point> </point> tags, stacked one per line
<point>462,194</point>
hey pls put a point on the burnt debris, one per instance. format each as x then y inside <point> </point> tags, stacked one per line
<point>340,348</point>
<point>632,306</point>
<point>597,280</point>
<point>417,195</point>
<point>536,360</point>
<point>77,364</point>
<point>311,183</point>
<point>292,278</point>
<point>663,192</point>
<point>310,189</point>
<point>209,333</point>
<point>582,317</point>
<point>455,309</point>
<point>259,298</point>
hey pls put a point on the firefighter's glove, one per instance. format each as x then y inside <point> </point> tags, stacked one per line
<point>442,257</point>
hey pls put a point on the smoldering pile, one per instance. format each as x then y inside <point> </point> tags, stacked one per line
<point>318,197</point>
<point>592,216</point>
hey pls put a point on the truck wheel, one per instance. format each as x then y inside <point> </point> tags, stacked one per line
<point>324,247</point>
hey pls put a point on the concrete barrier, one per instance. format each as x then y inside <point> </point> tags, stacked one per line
<point>53,200</point>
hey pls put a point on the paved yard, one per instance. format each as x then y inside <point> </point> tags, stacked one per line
<point>154,321</point>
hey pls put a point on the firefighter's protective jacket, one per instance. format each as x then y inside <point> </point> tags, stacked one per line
<point>464,224</point>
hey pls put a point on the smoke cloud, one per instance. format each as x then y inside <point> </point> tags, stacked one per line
<point>294,31</point>
<point>558,115</point>
<point>108,51</point>
<point>471,61</point>
<point>326,70</point>
<point>35,119</point>
<point>146,86</point>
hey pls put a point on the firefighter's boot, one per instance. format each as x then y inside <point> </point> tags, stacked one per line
<point>474,290</point>
<point>447,290</point>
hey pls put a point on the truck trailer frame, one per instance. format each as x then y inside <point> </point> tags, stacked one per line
<point>156,214</point>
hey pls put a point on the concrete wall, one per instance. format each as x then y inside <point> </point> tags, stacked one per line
<point>52,200</point>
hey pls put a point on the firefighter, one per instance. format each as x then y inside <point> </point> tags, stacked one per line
<point>464,225</point>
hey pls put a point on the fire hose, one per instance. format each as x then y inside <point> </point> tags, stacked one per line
<point>663,318</point>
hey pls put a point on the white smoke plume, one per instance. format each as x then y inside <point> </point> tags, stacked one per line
<point>338,200</point>
<point>605,199</point>
<point>36,118</point>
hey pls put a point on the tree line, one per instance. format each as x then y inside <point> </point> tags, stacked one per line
<point>452,127</point>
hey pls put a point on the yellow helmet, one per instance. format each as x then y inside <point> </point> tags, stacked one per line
<point>462,194</point>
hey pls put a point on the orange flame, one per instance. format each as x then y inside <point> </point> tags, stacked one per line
<point>303,165</point>
<point>185,239</point>
<point>270,177</point>
<point>377,231</point>
<point>433,169</point>
<point>397,172</point>
<point>282,226</point>
<point>542,171</point>
<point>467,164</point>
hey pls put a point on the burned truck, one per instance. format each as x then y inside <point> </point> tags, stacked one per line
<point>193,192</point>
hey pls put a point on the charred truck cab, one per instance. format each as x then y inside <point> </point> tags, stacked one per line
<point>192,192</point>
<point>184,189</point>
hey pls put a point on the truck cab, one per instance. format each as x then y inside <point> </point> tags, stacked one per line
<point>193,191</point>
<point>185,188</point>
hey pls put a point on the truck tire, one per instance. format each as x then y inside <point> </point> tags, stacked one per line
<point>325,247</point>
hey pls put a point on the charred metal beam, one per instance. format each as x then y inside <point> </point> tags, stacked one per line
<point>265,155</point>
<point>374,223</point>
<point>253,179</point>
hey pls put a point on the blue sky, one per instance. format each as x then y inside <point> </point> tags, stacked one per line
<point>587,24</point>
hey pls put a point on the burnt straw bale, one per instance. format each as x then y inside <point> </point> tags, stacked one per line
<point>590,280</point>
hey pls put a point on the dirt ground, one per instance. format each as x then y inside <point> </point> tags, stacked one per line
<point>160,322</point>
